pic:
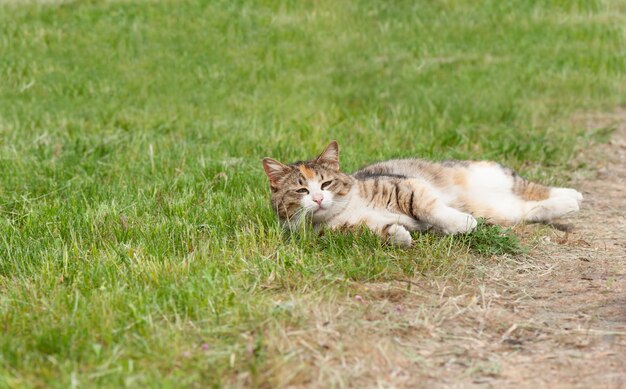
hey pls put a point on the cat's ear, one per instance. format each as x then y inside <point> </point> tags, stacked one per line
<point>330,156</point>
<point>274,170</point>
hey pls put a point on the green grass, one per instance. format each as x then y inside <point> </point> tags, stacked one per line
<point>137,245</point>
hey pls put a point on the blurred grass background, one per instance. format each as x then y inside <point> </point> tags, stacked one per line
<point>136,239</point>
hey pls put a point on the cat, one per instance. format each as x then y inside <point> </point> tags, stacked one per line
<point>394,198</point>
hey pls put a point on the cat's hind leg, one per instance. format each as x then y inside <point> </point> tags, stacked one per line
<point>503,197</point>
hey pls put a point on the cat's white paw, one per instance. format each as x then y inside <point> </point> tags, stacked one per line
<point>459,223</point>
<point>553,208</point>
<point>564,206</point>
<point>455,222</point>
<point>567,192</point>
<point>399,236</point>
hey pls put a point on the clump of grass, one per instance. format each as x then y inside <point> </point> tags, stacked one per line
<point>488,240</point>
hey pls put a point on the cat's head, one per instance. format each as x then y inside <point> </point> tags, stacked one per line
<point>303,190</point>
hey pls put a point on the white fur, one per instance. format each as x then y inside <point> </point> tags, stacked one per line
<point>552,208</point>
<point>358,212</point>
<point>567,192</point>
<point>399,236</point>
<point>490,187</point>
<point>353,210</point>
<point>328,204</point>
<point>451,221</point>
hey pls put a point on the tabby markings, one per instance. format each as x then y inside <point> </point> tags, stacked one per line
<point>307,172</point>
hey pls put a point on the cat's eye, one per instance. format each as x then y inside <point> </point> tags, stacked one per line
<point>303,190</point>
<point>326,184</point>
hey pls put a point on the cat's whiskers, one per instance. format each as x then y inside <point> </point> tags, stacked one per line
<point>297,218</point>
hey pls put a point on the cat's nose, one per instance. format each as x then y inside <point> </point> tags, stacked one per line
<point>318,198</point>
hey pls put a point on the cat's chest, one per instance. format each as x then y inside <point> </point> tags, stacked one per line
<point>359,212</point>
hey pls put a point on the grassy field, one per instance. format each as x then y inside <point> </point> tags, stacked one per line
<point>137,244</point>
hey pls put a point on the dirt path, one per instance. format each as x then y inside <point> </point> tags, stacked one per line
<point>554,318</point>
<point>575,310</point>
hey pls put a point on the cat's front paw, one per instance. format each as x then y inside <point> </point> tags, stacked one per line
<point>459,223</point>
<point>399,236</point>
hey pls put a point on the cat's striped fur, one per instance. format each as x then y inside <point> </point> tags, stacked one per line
<point>395,197</point>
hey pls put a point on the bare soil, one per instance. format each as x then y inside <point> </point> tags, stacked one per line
<point>553,318</point>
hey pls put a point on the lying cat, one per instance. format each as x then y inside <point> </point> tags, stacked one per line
<point>395,197</point>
